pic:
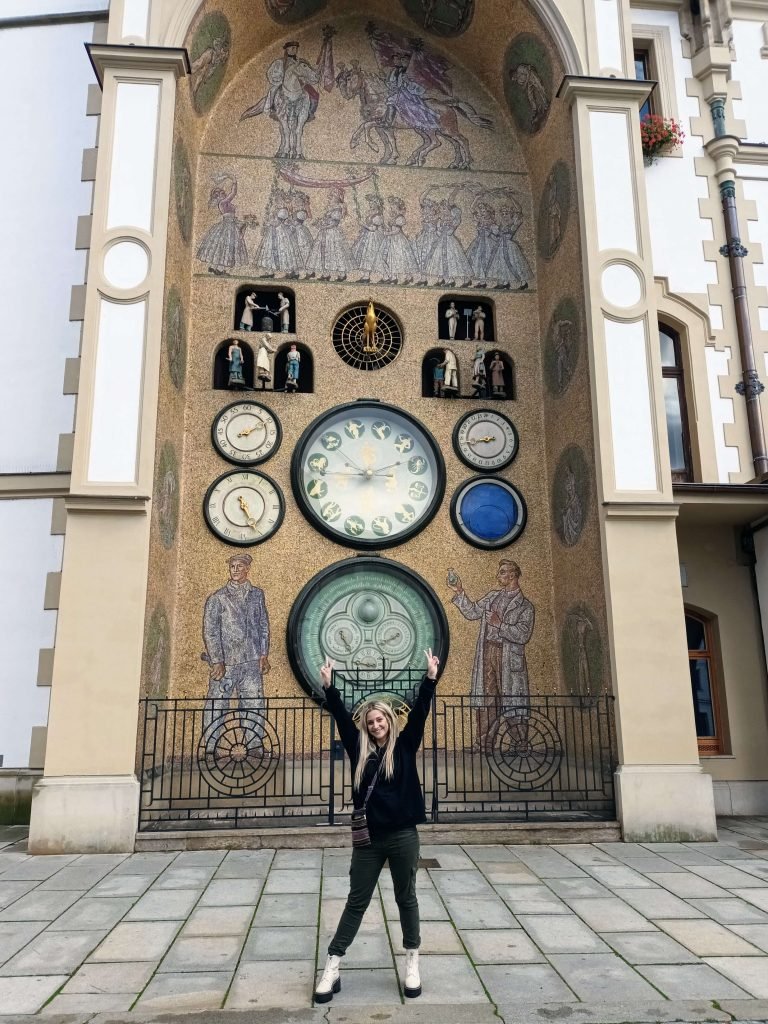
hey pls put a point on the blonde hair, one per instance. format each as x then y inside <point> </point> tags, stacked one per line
<point>367,746</point>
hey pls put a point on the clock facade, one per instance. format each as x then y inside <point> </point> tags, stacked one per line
<point>374,618</point>
<point>488,512</point>
<point>368,475</point>
<point>246,433</point>
<point>244,507</point>
<point>485,440</point>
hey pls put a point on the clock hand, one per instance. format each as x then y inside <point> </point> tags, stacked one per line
<point>376,472</point>
<point>249,430</point>
<point>342,472</point>
<point>350,462</point>
<point>247,512</point>
<point>478,440</point>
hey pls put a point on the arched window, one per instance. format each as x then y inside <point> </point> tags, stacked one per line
<point>702,665</point>
<point>674,404</point>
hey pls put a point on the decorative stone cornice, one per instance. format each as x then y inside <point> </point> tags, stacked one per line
<point>723,149</point>
<point>607,90</point>
<point>34,485</point>
<point>640,509</point>
<point>138,504</point>
<point>137,58</point>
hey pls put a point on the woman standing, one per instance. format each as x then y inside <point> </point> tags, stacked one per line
<point>386,783</point>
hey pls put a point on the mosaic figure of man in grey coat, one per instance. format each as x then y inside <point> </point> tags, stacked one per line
<point>499,672</point>
<point>236,637</point>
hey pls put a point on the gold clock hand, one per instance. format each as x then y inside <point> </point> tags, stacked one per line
<point>479,440</point>
<point>249,430</point>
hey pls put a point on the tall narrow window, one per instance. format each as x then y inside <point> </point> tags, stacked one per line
<point>643,74</point>
<point>674,404</point>
<point>703,688</point>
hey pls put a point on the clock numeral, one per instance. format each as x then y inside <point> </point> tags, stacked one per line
<point>215,520</point>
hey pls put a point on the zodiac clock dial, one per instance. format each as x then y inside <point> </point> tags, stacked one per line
<point>485,439</point>
<point>368,475</point>
<point>374,618</point>
<point>488,512</point>
<point>244,507</point>
<point>246,433</point>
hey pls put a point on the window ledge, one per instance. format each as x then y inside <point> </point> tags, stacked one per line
<point>717,757</point>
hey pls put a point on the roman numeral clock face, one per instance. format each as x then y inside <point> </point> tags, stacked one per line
<point>368,475</point>
<point>244,507</point>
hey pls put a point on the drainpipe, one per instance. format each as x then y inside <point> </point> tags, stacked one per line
<point>723,149</point>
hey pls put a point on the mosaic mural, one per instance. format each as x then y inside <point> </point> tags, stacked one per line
<point>441,17</point>
<point>176,338</point>
<point>554,207</point>
<point>167,494</point>
<point>562,347</point>
<point>157,652</point>
<point>570,495</point>
<point>288,12</point>
<point>528,82</point>
<point>208,57</point>
<point>183,190</point>
<point>581,650</point>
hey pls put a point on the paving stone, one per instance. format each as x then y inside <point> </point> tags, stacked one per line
<point>450,858</point>
<point>648,948</point>
<point>728,877</point>
<point>164,905</point>
<point>202,991</point>
<point>280,944</point>
<point>431,907</point>
<point>687,885</point>
<point>331,911</point>
<point>597,977</point>
<point>122,885</point>
<point>53,953</point>
<point>298,860</point>
<point>578,887</point>
<point>436,937</point>
<point>524,983</point>
<point>199,858</point>
<point>733,911</point>
<point>548,863</point>
<point>370,949</point>
<point>132,941</point>
<point>256,986</point>
<point>757,896</point>
<point>759,868</point>
<point>109,979</point>
<point>707,938</point>
<point>15,935</point>
<point>368,988</point>
<point>245,864</point>
<point>584,854</point>
<point>219,953</point>
<point>479,912</point>
<point>39,906</point>
<point>610,915</point>
<point>11,891</point>
<point>620,877</point>
<point>481,853</point>
<point>87,1004</point>
<point>185,878</point>
<point>461,883</point>
<point>145,864</point>
<point>519,902</point>
<point>37,868</point>
<point>336,867</point>
<point>287,910</point>
<point>78,876</point>
<point>561,934</point>
<point>501,946</point>
<point>684,856</point>
<point>509,873</point>
<point>92,914</point>
<point>749,973</point>
<point>653,903</point>
<point>27,995</point>
<point>690,981</point>
<point>232,892</point>
<point>279,881</point>
<point>449,980</point>
<point>755,934</point>
<point>337,887</point>
<point>218,921</point>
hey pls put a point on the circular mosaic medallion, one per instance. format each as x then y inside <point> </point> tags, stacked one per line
<point>366,351</point>
<point>488,512</point>
<point>238,752</point>
<point>524,749</point>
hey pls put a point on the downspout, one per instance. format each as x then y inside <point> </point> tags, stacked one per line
<point>723,148</point>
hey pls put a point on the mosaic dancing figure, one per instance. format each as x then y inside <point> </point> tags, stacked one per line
<point>300,214</point>
<point>386,786</point>
<point>398,254</point>
<point>278,252</point>
<point>331,254</point>
<point>527,78</point>
<point>222,246</point>
<point>204,66</point>
<point>368,249</point>
<point>508,265</point>
<point>448,262</point>
<point>427,236</point>
<point>481,248</point>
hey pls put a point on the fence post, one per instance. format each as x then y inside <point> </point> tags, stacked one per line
<point>332,762</point>
<point>434,759</point>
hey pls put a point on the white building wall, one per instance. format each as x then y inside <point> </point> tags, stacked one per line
<point>750,69</point>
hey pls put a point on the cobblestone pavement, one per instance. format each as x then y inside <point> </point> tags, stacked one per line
<point>610,932</point>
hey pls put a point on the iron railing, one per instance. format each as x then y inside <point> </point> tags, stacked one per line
<point>214,764</point>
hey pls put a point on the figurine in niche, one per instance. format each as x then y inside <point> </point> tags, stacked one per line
<point>235,360</point>
<point>498,390</point>
<point>451,369</point>
<point>263,361</point>
<point>246,320</point>
<point>452,316</point>
<point>284,310</point>
<point>478,315</point>
<point>292,369</point>
<point>479,376</point>
<point>438,379</point>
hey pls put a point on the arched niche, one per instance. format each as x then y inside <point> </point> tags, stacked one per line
<point>465,305</point>
<point>306,383</point>
<point>436,378</point>
<point>501,379</point>
<point>267,301</point>
<point>221,364</point>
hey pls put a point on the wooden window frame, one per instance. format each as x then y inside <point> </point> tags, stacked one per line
<point>709,746</point>
<point>677,372</point>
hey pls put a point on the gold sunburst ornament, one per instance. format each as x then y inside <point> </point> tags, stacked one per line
<point>366,336</point>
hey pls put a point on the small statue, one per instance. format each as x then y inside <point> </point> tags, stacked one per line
<point>479,376</point>
<point>438,379</point>
<point>452,316</point>
<point>263,362</point>
<point>284,310</point>
<point>451,368</point>
<point>369,329</point>
<point>235,360</point>
<point>267,323</point>
<point>246,320</point>
<point>478,315</point>
<point>498,389</point>
<point>292,368</point>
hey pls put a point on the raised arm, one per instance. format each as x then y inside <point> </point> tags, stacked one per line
<point>413,730</point>
<point>348,731</point>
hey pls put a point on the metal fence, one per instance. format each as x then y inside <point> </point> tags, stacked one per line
<point>214,764</point>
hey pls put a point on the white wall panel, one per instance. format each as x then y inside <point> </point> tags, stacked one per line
<point>33,8</point>
<point>132,178</point>
<point>614,202</point>
<point>757,230</point>
<point>608,29</point>
<point>634,455</point>
<point>751,71</point>
<point>27,553</point>
<point>722,413</point>
<point>135,18</point>
<point>44,133</point>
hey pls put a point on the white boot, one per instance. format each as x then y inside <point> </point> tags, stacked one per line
<point>412,976</point>
<point>330,981</point>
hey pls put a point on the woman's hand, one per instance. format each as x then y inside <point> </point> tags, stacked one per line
<point>326,671</point>
<point>433,663</point>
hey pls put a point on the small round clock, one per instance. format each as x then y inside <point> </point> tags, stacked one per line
<point>485,439</point>
<point>244,507</point>
<point>246,433</point>
<point>368,475</point>
<point>488,512</point>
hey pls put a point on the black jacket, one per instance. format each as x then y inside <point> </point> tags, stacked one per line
<point>397,802</point>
